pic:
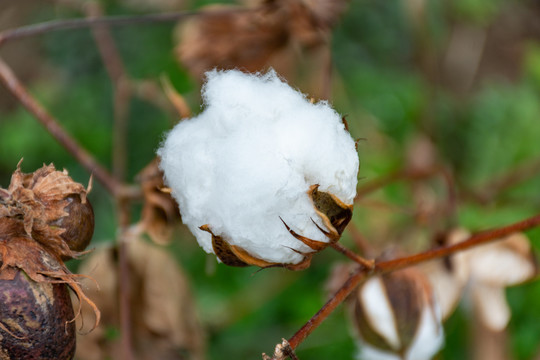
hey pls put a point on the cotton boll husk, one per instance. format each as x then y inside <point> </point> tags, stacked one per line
<point>379,311</point>
<point>248,160</point>
<point>397,317</point>
<point>428,340</point>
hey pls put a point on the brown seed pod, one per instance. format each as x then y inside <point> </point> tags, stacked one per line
<point>35,320</point>
<point>78,224</point>
<point>53,208</point>
<point>39,214</point>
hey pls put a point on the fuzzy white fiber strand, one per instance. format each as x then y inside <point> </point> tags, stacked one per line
<point>250,157</point>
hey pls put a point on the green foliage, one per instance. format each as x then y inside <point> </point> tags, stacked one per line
<point>389,98</point>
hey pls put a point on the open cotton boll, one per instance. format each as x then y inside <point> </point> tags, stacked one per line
<point>397,317</point>
<point>251,162</point>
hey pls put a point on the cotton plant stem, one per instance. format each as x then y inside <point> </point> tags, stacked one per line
<point>12,83</point>
<point>480,238</point>
<point>114,65</point>
<point>122,97</point>
<point>382,267</point>
<point>352,282</point>
<point>122,20</point>
<point>369,264</point>
<point>124,285</point>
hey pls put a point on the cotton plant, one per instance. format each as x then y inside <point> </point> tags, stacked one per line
<point>263,175</point>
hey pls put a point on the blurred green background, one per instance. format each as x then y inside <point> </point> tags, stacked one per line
<point>464,74</point>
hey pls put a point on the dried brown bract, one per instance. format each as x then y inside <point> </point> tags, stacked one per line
<point>160,211</point>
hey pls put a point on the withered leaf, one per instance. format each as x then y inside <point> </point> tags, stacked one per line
<point>160,212</point>
<point>163,315</point>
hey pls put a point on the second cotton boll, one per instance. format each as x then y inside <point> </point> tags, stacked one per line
<point>262,176</point>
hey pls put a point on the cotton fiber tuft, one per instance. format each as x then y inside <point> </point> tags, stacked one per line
<point>244,167</point>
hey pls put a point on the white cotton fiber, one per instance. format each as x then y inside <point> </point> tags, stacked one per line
<point>250,157</point>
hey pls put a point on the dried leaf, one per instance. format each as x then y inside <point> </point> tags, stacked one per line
<point>160,211</point>
<point>175,98</point>
<point>164,321</point>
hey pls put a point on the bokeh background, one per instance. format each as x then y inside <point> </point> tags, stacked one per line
<point>456,83</point>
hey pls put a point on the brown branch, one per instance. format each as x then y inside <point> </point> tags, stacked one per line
<point>114,65</point>
<point>124,285</point>
<point>121,83</point>
<point>349,285</point>
<point>8,78</point>
<point>56,25</point>
<point>382,267</point>
<point>369,264</point>
<point>480,238</point>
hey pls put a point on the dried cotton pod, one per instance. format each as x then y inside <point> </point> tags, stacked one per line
<point>267,33</point>
<point>39,215</point>
<point>262,176</point>
<point>397,318</point>
<point>36,320</point>
<point>54,209</point>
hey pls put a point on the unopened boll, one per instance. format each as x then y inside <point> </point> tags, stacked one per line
<point>262,176</point>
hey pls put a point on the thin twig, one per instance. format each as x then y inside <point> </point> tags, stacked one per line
<point>349,285</point>
<point>361,243</point>
<point>124,285</point>
<point>123,20</point>
<point>121,83</point>
<point>382,267</point>
<point>352,255</point>
<point>13,84</point>
<point>480,238</point>
<point>122,97</point>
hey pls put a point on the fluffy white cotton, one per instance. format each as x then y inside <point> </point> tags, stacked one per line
<point>250,157</point>
<point>379,311</point>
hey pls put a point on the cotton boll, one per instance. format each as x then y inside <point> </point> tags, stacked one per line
<point>397,318</point>
<point>247,169</point>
